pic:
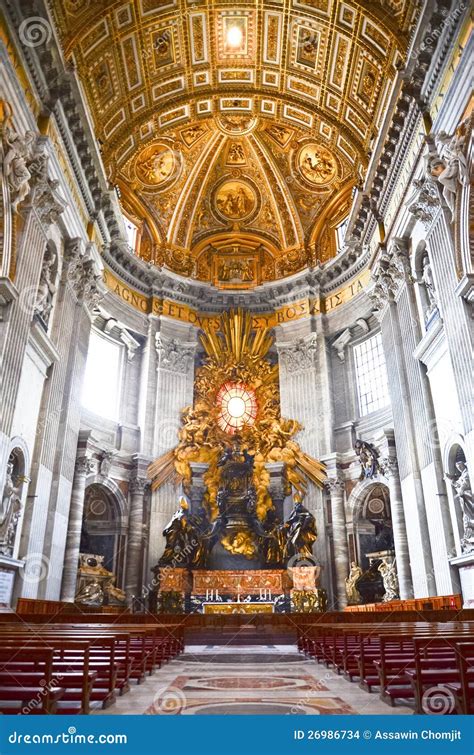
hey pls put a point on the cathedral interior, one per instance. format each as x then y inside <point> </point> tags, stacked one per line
<point>235,307</point>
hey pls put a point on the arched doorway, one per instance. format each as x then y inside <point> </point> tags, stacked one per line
<point>102,529</point>
<point>372,524</point>
<point>372,542</point>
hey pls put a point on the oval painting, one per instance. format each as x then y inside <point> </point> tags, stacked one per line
<point>316,164</point>
<point>156,165</point>
<point>235,200</point>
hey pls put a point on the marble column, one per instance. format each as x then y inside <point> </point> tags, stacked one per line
<point>133,573</point>
<point>83,467</point>
<point>389,468</point>
<point>336,488</point>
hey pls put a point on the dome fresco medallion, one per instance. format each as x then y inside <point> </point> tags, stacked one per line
<point>252,119</point>
<point>235,200</point>
<point>316,164</point>
<point>157,165</point>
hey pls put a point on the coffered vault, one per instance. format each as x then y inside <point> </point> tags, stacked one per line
<point>235,134</point>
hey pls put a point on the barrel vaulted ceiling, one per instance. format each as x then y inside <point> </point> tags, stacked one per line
<point>235,131</point>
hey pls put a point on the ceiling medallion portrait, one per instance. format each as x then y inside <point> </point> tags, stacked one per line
<point>235,200</point>
<point>316,164</point>
<point>158,165</point>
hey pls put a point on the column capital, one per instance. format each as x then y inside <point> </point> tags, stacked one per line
<point>84,465</point>
<point>174,355</point>
<point>137,485</point>
<point>388,466</point>
<point>335,484</point>
<point>299,355</point>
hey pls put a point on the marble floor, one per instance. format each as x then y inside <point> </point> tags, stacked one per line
<point>263,679</point>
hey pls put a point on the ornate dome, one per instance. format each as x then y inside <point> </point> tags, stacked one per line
<point>235,135</point>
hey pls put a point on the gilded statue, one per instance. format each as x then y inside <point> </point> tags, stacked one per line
<point>353,594</point>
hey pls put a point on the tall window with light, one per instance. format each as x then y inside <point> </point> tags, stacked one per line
<point>371,375</point>
<point>101,387</point>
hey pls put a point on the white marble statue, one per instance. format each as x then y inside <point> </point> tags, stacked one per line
<point>10,494</point>
<point>390,581</point>
<point>465,497</point>
<point>456,171</point>
<point>15,164</point>
<point>47,286</point>
<point>429,284</point>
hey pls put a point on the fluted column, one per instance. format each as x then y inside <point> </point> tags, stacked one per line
<point>133,573</point>
<point>82,469</point>
<point>336,489</point>
<point>389,467</point>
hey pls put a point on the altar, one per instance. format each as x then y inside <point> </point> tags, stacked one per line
<point>237,607</point>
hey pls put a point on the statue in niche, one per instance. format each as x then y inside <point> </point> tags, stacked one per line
<point>11,492</point>
<point>463,491</point>
<point>300,531</point>
<point>353,594</point>
<point>456,170</point>
<point>368,457</point>
<point>429,284</point>
<point>10,509</point>
<point>390,581</point>
<point>47,286</point>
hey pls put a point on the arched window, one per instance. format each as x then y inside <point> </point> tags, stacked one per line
<point>132,233</point>
<point>101,387</point>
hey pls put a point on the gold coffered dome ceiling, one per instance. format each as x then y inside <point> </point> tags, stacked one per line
<point>235,132</point>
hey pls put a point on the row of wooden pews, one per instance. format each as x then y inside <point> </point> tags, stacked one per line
<point>75,667</point>
<point>427,664</point>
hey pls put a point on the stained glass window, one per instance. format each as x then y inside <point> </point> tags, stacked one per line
<point>237,405</point>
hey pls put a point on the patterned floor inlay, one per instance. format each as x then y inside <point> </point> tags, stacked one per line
<point>220,680</point>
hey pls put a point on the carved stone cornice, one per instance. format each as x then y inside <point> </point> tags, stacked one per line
<point>173,355</point>
<point>299,355</point>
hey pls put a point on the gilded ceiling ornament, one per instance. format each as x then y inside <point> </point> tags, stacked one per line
<point>236,124</point>
<point>157,165</point>
<point>237,380</point>
<point>316,164</point>
<point>236,154</point>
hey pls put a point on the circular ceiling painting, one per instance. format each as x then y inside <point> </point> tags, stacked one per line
<point>237,407</point>
<point>316,164</point>
<point>235,200</point>
<point>157,165</point>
